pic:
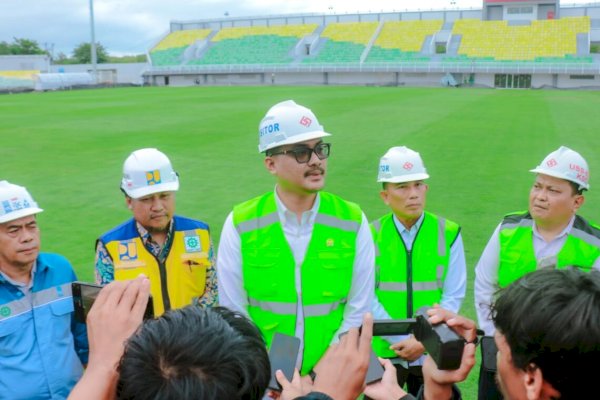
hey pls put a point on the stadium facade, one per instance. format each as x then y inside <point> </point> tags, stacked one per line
<point>504,44</point>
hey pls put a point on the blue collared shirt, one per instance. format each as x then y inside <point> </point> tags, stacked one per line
<point>42,348</point>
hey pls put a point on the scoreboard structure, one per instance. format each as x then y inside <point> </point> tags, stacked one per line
<point>520,10</point>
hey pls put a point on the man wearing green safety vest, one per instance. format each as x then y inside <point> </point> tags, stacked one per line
<point>419,261</point>
<point>297,260</point>
<point>548,235</point>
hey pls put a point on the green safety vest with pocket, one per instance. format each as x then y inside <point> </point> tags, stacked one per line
<point>407,280</point>
<point>268,269</point>
<point>517,256</point>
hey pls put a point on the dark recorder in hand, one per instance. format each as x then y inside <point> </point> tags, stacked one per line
<point>443,344</point>
<point>283,355</point>
<point>84,295</point>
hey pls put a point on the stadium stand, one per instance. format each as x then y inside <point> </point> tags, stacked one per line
<point>402,40</point>
<point>504,44</point>
<point>541,41</point>
<point>170,50</point>
<point>343,42</point>
<point>254,45</point>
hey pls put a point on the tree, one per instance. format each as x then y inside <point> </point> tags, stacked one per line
<point>4,49</point>
<point>82,53</point>
<point>20,46</point>
<point>26,46</point>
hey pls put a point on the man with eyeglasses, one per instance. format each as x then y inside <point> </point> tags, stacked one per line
<point>297,260</point>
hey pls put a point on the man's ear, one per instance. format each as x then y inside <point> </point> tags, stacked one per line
<point>128,202</point>
<point>536,387</point>
<point>270,165</point>
<point>384,196</point>
<point>579,200</point>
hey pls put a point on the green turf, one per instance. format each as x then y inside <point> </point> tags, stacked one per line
<point>478,145</point>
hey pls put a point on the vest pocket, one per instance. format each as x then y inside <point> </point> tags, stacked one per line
<point>262,258</point>
<point>193,271</point>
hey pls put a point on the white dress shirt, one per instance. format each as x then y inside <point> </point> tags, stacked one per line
<point>298,234</point>
<point>486,271</point>
<point>455,284</point>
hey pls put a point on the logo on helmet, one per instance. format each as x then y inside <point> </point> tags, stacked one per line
<point>407,165</point>
<point>551,163</point>
<point>305,121</point>
<point>153,177</point>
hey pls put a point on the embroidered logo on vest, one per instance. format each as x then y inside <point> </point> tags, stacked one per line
<point>127,250</point>
<point>192,244</point>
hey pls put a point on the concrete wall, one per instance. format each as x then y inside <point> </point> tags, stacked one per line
<point>538,81</point>
<point>25,63</point>
<point>108,73</point>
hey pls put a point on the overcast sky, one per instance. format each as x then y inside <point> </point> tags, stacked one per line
<point>132,26</point>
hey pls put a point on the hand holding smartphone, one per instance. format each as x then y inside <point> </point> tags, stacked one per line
<point>283,355</point>
<point>84,295</point>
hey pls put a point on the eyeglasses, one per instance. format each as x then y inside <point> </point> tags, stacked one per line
<point>303,154</point>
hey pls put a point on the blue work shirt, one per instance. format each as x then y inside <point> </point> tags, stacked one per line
<point>42,348</point>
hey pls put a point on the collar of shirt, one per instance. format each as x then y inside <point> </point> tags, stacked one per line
<point>560,236</point>
<point>409,234</point>
<point>20,285</point>
<point>150,244</point>
<point>288,217</point>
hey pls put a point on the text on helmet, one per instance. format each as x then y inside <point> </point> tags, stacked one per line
<point>14,204</point>
<point>269,129</point>
<point>384,168</point>
<point>582,173</point>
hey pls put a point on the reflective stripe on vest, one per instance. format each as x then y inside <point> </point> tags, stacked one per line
<point>41,298</point>
<point>313,310</point>
<point>257,223</point>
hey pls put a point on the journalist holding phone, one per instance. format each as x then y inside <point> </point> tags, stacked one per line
<point>42,348</point>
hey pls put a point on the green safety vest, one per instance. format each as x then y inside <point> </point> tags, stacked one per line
<point>517,257</point>
<point>407,280</point>
<point>268,268</point>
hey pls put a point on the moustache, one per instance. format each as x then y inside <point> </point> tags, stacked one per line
<point>319,169</point>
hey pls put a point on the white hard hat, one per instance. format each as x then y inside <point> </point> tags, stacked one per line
<point>567,164</point>
<point>401,164</point>
<point>288,123</point>
<point>15,202</point>
<point>148,171</point>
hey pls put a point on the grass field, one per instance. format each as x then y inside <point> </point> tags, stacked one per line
<point>478,145</point>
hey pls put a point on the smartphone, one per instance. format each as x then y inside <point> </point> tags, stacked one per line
<point>488,354</point>
<point>84,295</point>
<point>375,371</point>
<point>393,327</point>
<point>283,355</point>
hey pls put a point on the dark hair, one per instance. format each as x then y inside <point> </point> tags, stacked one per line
<point>195,353</point>
<point>551,318</point>
<point>575,188</point>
